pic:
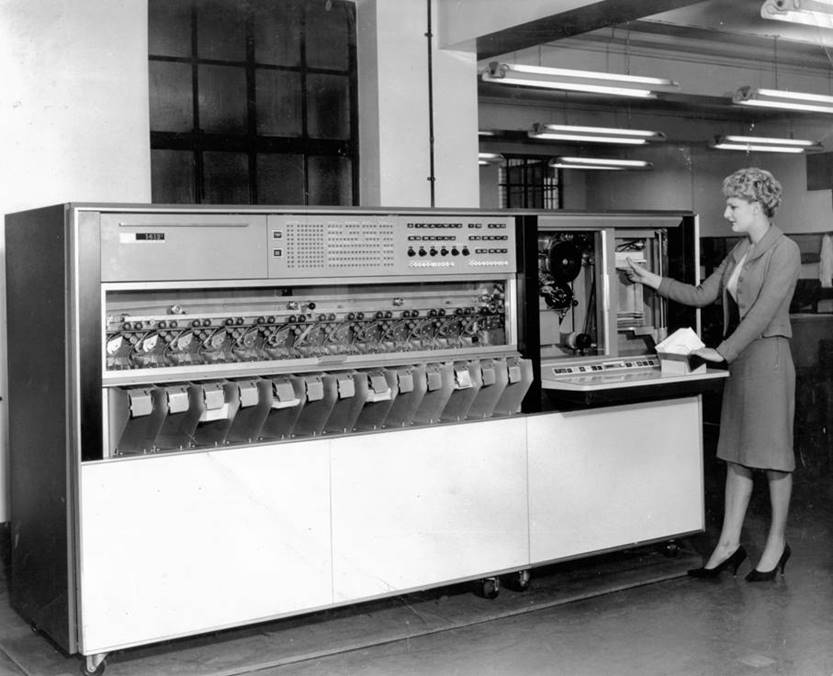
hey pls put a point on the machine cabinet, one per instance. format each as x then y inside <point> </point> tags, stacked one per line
<point>220,416</point>
<point>600,478</point>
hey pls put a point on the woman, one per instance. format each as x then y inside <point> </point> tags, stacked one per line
<point>756,283</point>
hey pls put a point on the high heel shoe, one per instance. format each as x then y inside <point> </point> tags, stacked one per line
<point>732,562</point>
<point>756,575</point>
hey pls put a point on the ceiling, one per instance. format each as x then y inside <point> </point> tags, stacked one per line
<point>738,18</point>
<point>732,29</point>
<point>716,19</point>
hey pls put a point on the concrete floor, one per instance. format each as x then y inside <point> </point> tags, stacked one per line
<point>629,613</point>
<point>680,626</point>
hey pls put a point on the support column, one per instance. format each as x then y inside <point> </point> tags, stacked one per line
<point>395,112</point>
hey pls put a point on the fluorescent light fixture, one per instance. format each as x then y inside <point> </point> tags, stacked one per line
<point>770,140</point>
<point>818,13</point>
<point>764,144</point>
<point>614,135</point>
<point>486,132</point>
<point>783,99</point>
<point>598,163</point>
<point>568,79</point>
<point>489,158</point>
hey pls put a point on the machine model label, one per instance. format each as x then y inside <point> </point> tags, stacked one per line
<point>143,237</point>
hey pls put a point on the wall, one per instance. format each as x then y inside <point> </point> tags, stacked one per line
<point>690,178</point>
<point>74,115</point>
<point>394,110</point>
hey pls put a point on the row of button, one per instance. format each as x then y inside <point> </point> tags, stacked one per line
<point>489,263</point>
<point>432,238</point>
<point>438,226</point>
<point>433,251</point>
<point>474,226</point>
<point>431,264</point>
<point>603,367</point>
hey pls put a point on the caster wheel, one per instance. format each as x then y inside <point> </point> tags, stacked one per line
<point>490,587</point>
<point>518,581</point>
<point>671,550</point>
<point>93,666</point>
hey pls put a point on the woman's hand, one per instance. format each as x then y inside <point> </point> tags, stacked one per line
<point>708,354</point>
<point>638,274</point>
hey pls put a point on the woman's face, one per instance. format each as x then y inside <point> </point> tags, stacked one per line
<point>741,214</point>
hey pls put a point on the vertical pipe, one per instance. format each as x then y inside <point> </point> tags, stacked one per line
<point>429,35</point>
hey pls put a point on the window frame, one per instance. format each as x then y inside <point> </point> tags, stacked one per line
<point>251,143</point>
<point>550,186</point>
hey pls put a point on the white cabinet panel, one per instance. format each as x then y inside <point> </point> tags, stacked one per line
<point>419,507</point>
<point>179,544</point>
<point>609,477</point>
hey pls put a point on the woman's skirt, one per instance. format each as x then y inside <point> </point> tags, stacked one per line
<point>756,419</point>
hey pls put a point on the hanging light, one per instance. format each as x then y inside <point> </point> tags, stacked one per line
<point>783,99</point>
<point>568,79</point>
<point>583,134</point>
<point>489,158</point>
<point>598,163</point>
<point>764,144</point>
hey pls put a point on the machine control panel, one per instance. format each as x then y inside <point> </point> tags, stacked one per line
<point>303,245</point>
<point>629,364</point>
<point>601,374</point>
<point>229,329</point>
<point>311,246</point>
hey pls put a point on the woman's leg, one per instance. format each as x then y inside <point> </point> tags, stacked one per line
<point>738,491</point>
<point>780,490</point>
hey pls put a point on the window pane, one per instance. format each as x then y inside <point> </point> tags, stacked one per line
<point>169,27</point>
<point>279,103</point>
<point>222,98</point>
<point>277,33</point>
<point>280,179</point>
<point>328,108</point>
<point>172,176</point>
<point>330,181</point>
<point>171,107</point>
<point>221,30</point>
<point>226,178</point>
<point>326,32</point>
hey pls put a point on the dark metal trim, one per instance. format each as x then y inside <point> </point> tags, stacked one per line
<point>573,22</point>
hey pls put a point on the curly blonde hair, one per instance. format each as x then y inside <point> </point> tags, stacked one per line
<point>754,185</point>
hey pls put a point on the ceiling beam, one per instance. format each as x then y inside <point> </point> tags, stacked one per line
<point>600,14</point>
